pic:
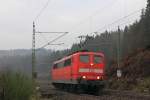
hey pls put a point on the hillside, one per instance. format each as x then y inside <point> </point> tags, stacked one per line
<point>21,60</point>
<point>135,65</point>
<point>135,72</point>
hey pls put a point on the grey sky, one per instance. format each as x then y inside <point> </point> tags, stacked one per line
<point>83,16</point>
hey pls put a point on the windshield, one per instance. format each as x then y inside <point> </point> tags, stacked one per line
<point>84,58</point>
<point>97,59</point>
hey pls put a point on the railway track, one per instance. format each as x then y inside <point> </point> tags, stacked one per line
<point>130,94</point>
<point>48,91</point>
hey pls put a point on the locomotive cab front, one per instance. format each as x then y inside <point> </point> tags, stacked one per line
<point>91,68</point>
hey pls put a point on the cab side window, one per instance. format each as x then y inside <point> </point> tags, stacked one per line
<point>67,62</point>
<point>61,64</point>
<point>55,66</point>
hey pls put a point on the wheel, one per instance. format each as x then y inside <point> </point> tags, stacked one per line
<point>98,90</point>
<point>79,89</point>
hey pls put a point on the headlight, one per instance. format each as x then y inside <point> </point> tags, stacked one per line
<point>84,77</point>
<point>98,77</point>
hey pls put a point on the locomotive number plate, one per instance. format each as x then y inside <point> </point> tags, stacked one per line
<point>91,70</point>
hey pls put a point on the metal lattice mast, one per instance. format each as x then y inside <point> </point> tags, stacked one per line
<point>34,74</point>
<point>33,52</point>
<point>119,72</point>
<point>118,51</point>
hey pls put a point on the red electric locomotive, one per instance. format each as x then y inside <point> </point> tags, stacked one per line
<point>81,70</point>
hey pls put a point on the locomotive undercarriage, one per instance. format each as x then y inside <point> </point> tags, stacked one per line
<point>81,88</point>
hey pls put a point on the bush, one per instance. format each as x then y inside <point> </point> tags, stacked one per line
<point>16,86</point>
<point>122,84</point>
<point>143,85</point>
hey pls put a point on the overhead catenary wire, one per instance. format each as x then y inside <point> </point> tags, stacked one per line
<point>44,7</point>
<point>50,32</point>
<point>118,20</point>
<point>124,23</point>
<point>97,30</point>
<point>57,38</point>
<point>54,40</point>
<point>39,14</point>
<point>44,38</point>
<point>77,24</point>
<point>42,10</point>
<point>94,14</point>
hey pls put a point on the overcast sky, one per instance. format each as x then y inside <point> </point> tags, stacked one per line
<point>79,17</point>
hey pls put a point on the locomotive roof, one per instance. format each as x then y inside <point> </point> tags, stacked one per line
<point>75,53</point>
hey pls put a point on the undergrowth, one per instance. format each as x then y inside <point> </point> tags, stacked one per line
<point>16,86</point>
